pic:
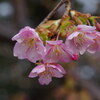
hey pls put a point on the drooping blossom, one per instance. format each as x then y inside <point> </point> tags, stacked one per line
<point>46,72</point>
<point>29,45</point>
<point>56,51</point>
<point>81,39</point>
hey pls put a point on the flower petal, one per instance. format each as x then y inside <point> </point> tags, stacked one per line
<point>32,75</point>
<point>56,73</point>
<point>57,67</point>
<point>56,52</point>
<point>36,52</point>
<point>52,43</point>
<point>37,70</point>
<point>20,50</point>
<point>25,33</point>
<point>71,49</point>
<point>94,47</point>
<point>82,49</point>
<point>45,80</point>
<point>60,69</point>
<point>74,34</point>
<point>86,28</point>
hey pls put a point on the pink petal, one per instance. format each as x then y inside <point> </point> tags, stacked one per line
<point>26,33</point>
<point>94,47</point>
<point>72,49</point>
<point>56,73</point>
<point>36,52</point>
<point>32,75</point>
<point>57,67</point>
<point>98,34</point>
<point>58,42</point>
<point>60,69</point>
<point>86,43</point>
<point>56,70</point>
<point>82,49</point>
<point>83,42</point>
<point>45,79</point>
<point>74,34</point>
<point>17,38</point>
<point>65,57</point>
<point>56,53</point>
<point>20,50</point>
<point>37,70</point>
<point>51,55</point>
<point>86,28</point>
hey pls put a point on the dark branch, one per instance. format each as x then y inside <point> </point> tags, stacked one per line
<point>54,11</point>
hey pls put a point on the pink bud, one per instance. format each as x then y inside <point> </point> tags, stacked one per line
<point>97,26</point>
<point>75,57</point>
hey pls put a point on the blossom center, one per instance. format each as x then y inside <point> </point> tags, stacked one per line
<point>47,72</point>
<point>57,50</point>
<point>30,42</point>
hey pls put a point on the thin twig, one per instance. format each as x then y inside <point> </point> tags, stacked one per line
<point>53,11</point>
<point>68,8</point>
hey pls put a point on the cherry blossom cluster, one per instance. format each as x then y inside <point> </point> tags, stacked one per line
<point>47,54</point>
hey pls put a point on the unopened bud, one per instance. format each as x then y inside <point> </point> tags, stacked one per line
<point>97,26</point>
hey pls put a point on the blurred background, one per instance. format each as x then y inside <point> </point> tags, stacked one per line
<point>82,81</point>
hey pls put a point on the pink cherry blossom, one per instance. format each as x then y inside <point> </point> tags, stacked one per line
<point>46,72</point>
<point>29,45</point>
<point>81,39</point>
<point>56,51</point>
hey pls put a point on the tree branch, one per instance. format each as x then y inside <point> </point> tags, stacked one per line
<point>53,11</point>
